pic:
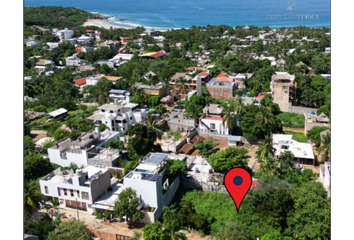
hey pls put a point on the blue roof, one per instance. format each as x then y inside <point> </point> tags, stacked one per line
<point>117,91</point>
<point>212,80</point>
<point>234,138</point>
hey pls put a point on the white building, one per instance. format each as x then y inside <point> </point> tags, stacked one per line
<point>327,50</point>
<point>81,188</point>
<point>93,80</point>
<point>303,152</point>
<point>120,95</point>
<point>74,61</point>
<point>146,180</point>
<point>120,59</point>
<point>87,149</point>
<point>159,38</point>
<point>28,78</point>
<point>118,116</point>
<point>211,121</point>
<point>63,34</point>
<point>83,39</point>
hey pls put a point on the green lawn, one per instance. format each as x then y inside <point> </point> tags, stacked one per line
<point>297,136</point>
<point>293,120</point>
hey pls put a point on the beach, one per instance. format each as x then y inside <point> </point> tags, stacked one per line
<point>102,24</point>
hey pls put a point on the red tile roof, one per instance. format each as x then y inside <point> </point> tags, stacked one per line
<point>260,96</point>
<point>81,81</point>
<point>98,33</point>
<point>89,31</point>
<point>214,118</point>
<point>78,49</point>
<point>126,38</point>
<point>158,54</point>
<point>255,184</point>
<point>204,74</point>
<point>116,42</point>
<point>222,74</point>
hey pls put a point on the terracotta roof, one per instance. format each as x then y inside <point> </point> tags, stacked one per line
<point>78,49</point>
<point>204,74</point>
<point>222,74</point>
<point>260,96</point>
<point>255,184</point>
<point>116,42</point>
<point>99,33</point>
<point>198,68</point>
<point>110,78</point>
<point>225,79</point>
<point>126,38</point>
<point>89,31</point>
<point>157,55</point>
<point>214,118</point>
<point>80,81</point>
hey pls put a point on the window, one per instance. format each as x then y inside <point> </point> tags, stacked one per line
<point>212,125</point>
<point>71,192</point>
<point>85,195</point>
<point>65,192</point>
<point>131,118</point>
<point>78,193</point>
<point>46,189</point>
<point>273,86</point>
<point>102,110</point>
<point>111,111</point>
<point>285,87</point>
<point>272,93</point>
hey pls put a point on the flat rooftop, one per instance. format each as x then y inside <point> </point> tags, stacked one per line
<point>156,158</point>
<point>107,200</point>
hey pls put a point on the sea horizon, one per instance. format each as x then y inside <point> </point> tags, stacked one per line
<point>159,15</point>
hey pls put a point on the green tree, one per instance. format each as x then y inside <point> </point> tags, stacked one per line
<point>266,148</point>
<point>264,117</point>
<point>206,148</point>
<point>286,160</point>
<point>269,165</point>
<point>154,231</point>
<point>60,134</point>
<point>189,217</point>
<point>228,112</point>
<point>171,224</point>
<point>32,196</point>
<point>36,166</point>
<point>182,84</point>
<point>28,145</point>
<point>70,230</point>
<point>325,146</point>
<point>115,144</point>
<point>154,101</point>
<point>40,228</point>
<point>228,158</point>
<point>232,230</point>
<point>127,206</point>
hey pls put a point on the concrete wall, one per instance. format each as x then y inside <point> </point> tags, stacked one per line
<point>219,127</point>
<point>100,185</point>
<point>150,217</point>
<point>169,195</point>
<point>146,189</point>
<point>281,96</point>
<point>107,235</point>
<point>184,141</point>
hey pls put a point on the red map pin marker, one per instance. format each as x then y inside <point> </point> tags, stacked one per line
<point>238,181</point>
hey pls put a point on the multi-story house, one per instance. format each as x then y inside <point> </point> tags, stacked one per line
<point>211,121</point>
<point>74,61</point>
<point>147,180</point>
<point>176,120</point>
<point>64,34</point>
<point>223,88</point>
<point>87,149</point>
<point>283,88</point>
<point>76,189</point>
<point>152,90</point>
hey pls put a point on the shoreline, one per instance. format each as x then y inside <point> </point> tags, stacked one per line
<point>101,23</point>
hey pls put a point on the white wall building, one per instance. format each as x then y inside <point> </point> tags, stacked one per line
<point>93,80</point>
<point>83,39</point>
<point>82,187</point>
<point>325,176</point>
<point>119,116</point>
<point>146,180</point>
<point>64,34</point>
<point>211,121</point>
<point>74,61</point>
<point>85,150</point>
<point>303,152</point>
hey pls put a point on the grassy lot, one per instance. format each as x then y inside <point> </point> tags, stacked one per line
<point>293,120</point>
<point>177,135</point>
<point>297,136</point>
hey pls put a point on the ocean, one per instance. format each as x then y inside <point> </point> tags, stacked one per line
<point>167,14</point>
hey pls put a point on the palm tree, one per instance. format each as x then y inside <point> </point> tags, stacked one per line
<point>257,87</point>
<point>264,117</point>
<point>194,112</point>
<point>240,107</point>
<point>54,205</point>
<point>325,146</point>
<point>229,117</point>
<point>152,120</point>
<point>32,196</point>
<point>266,148</point>
<point>181,83</point>
<point>269,165</point>
<point>286,160</point>
<point>171,224</point>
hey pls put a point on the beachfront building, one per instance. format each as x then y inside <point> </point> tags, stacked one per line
<point>147,180</point>
<point>283,87</point>
<point>303,152</point>
<point>87,149</point>
<point>76,189</point>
